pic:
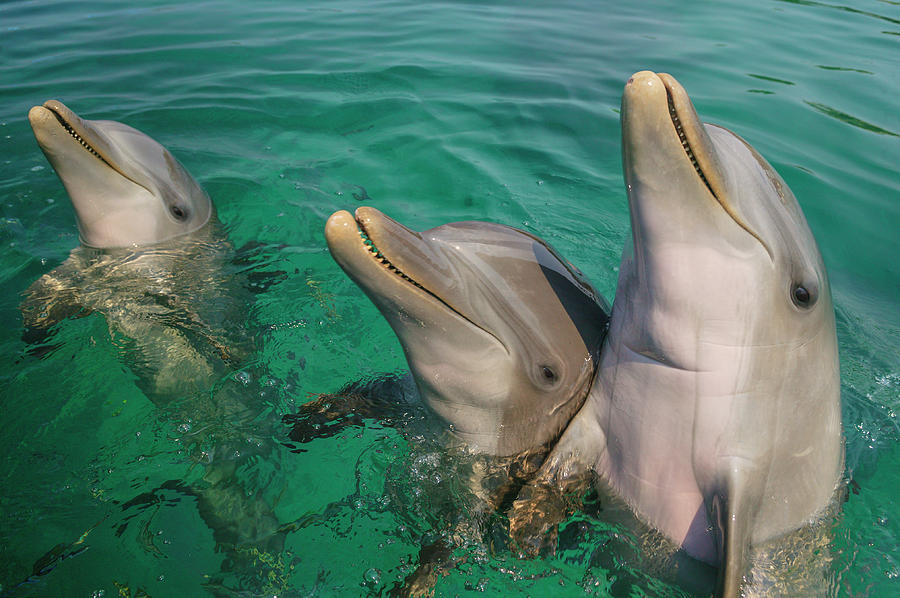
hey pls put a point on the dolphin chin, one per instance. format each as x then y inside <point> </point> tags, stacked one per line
<point>127,189</point>
<point>500,333</point>
<point>718,394</point>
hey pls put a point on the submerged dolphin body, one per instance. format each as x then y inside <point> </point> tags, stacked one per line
<point>716,410</point>
<point>500,333</point>
<point>156,264</point>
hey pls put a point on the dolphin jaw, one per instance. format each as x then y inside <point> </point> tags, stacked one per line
<point>699,148</point>
<point>70,123</point>
<point>338,235</point>
<point>682,137</point>
<point>74,134</point>
<point>380,257</point>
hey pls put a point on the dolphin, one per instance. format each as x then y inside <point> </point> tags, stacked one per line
<point>716,410</point>
<point>501,334</point>
<point>155,262</point>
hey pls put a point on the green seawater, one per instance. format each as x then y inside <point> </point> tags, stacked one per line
<point>431,112</point>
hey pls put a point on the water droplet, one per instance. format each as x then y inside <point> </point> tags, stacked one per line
<point>372,577</point>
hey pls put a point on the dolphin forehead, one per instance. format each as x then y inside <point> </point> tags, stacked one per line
<point>524,280</point>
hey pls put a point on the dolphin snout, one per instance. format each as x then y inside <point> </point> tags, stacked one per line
<point>37,115</point>
<point>642,79</point>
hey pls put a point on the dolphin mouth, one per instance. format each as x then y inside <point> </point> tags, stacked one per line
<point>700,151</point>
<point>360,243</point>
<point>685,143</point>
<point>73,133</point>
<point>83,134</point>
<point>379,256</point>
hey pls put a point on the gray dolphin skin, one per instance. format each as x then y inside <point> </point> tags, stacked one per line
<point>500,333</point>
<point>716,410</point>
<point>127,189</point>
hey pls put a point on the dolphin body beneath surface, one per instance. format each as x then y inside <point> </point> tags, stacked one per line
<point>715,410</point>
<point>155,262</point>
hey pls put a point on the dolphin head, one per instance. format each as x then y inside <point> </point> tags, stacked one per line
<point>126,188</point>
<point>724,312</point>
<point>715,228</point>
<point>500,333</point>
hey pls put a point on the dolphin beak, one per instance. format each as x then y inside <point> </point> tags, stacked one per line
<point>658,108</point>
<point>667,104</point>
<point>54,121</point>
<point>387,259</point>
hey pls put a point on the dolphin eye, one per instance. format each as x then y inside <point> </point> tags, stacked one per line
<point>548,373</point>
<point>178,212</point>
<point>802,296</point>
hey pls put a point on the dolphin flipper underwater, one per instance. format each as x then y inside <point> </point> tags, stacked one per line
<point>157,265</point>
<point>715,412</point>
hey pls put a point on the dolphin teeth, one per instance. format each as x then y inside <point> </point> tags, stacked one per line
<point>72,133</point>
<point>679,129</point>
<point>369,245</point>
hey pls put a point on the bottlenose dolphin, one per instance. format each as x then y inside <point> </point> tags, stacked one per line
<point>716,410</point>
<point>500,333</point>
<point>155,262</point>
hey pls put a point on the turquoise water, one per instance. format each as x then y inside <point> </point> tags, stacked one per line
<point>432,112</point>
